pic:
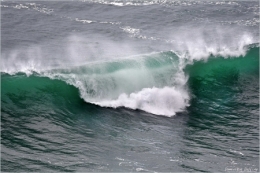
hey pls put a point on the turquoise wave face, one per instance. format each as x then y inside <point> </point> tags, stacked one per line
<point>37,95</point>
<point>121,83</point>
<point>220,66</point>
<point>222,80</point>
<point>135,82</point>
<point>225,102</point>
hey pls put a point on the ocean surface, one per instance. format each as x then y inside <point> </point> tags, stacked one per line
<point>129,86</point>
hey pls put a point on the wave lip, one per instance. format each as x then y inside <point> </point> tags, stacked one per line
<point>160,101</point>
<point>152,83</point>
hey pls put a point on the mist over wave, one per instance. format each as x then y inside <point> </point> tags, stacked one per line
<point>119,73</point>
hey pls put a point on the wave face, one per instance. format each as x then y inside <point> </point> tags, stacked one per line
<point>153,83</point>
<point>226,85</point>
<point>147,70</point>
<point>159,83</point>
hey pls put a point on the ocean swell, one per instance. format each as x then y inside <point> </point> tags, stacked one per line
<point>156,83</point>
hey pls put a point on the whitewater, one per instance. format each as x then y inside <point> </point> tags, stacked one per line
<point>155,82</point>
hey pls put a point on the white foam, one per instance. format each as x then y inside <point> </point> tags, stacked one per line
<point>33,6</point>
<point>123,3</point>
<point>160,2</point>
<point>84,21</point>
<point>20,6</point>
<point>130,30</point>
<point>160,101</point>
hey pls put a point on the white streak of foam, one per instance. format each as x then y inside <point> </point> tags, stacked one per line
<point>20,6</point>
<point>130,30</point>
<point>84,21</point>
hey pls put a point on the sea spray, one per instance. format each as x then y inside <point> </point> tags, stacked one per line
<point>153,82</point>
<point>210,41</point>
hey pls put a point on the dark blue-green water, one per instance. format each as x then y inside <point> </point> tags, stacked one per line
<point>130,86</point>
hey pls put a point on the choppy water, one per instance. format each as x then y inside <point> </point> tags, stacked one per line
<point>130,86</point>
